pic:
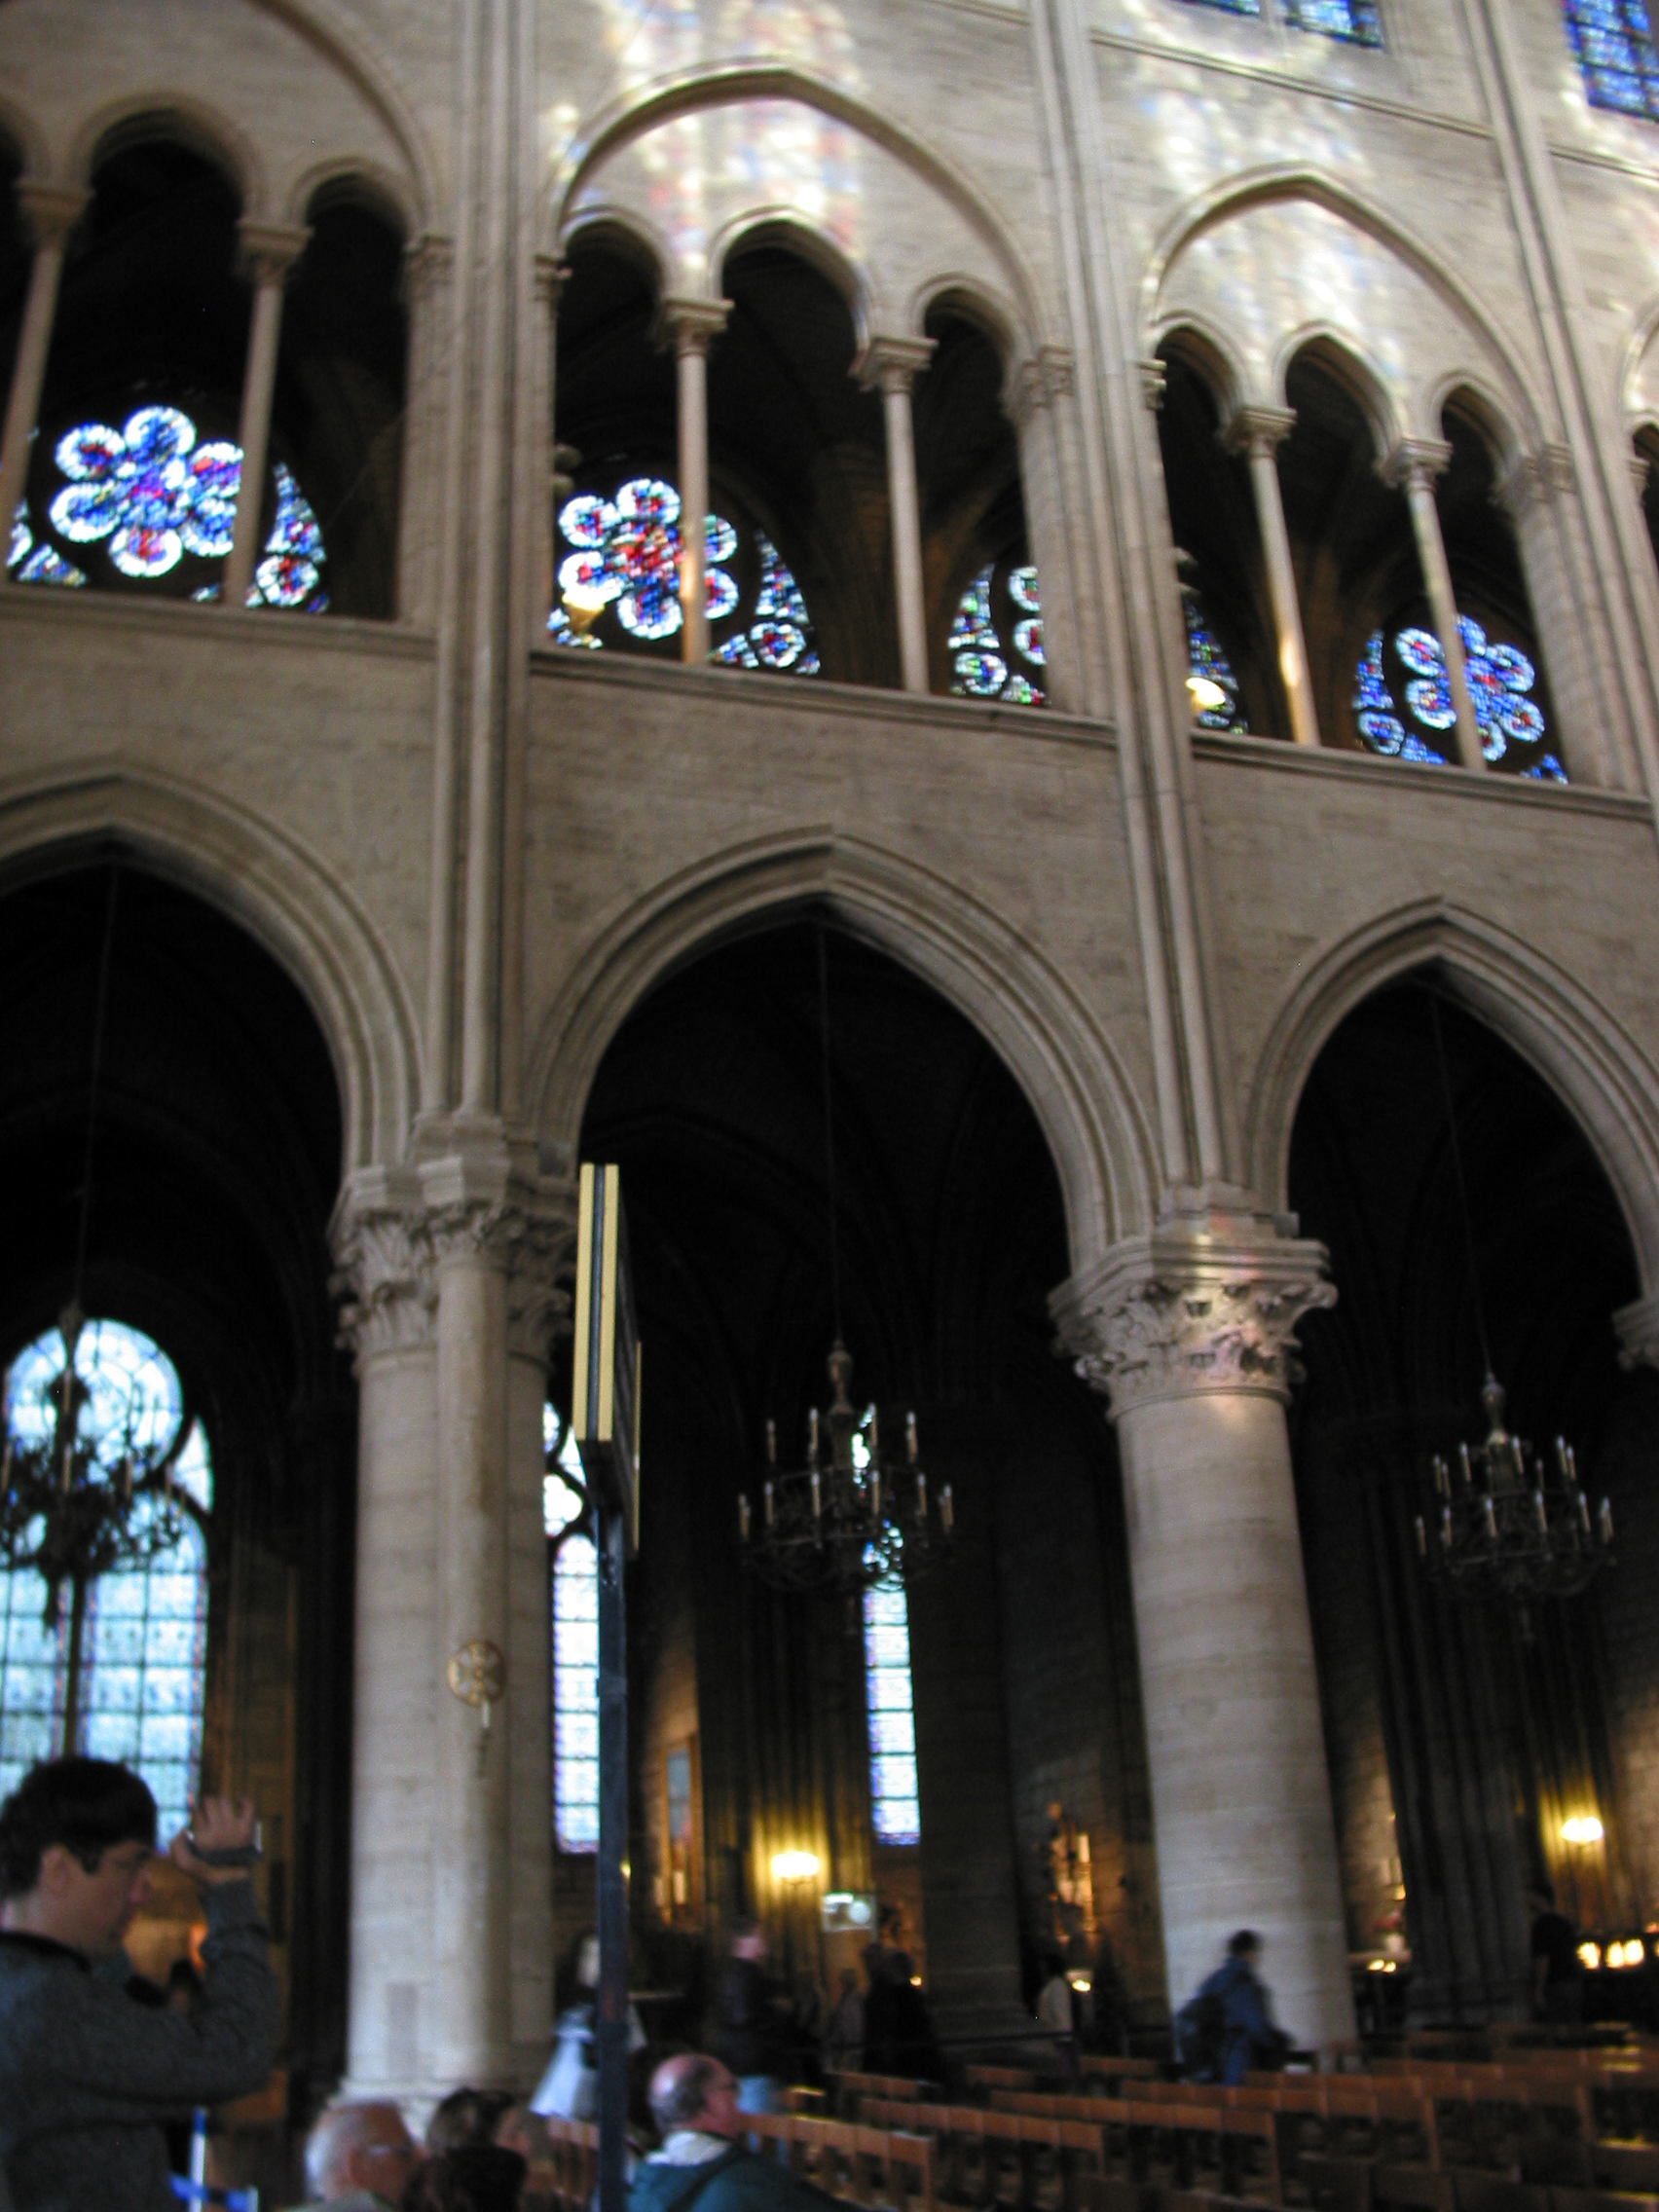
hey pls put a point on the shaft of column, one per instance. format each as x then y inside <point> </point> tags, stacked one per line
<point>1193,1347</point>
<point>1259,430</point>
<point>267,252</point>
<point>893,364</point>
<point>471,1887</point>
<point>50,213</point>
<point>692,326</point>
<point>1414,465</point>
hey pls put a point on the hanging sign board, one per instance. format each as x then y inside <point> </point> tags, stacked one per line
<point>605,1394</point>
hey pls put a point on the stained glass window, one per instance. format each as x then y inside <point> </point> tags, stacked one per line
<point>159,502</point>
<point>1401,688</point>
<point>1355,20</point>
<point>1230,7</point>
<point>620,585</point>
<point>144,1643</point>
<point>575,1643</point>
<point>1613,43</point>
<point>894,1803</point>
<point>996,639</point>
<point>1210,672</point>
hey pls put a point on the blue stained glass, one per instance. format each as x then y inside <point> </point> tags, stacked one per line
<point>986,642</point>
<point>143,1657</point>
<point>1355,20</point>
<point>893,1805</point>
<point>1229,7</point>
<point>1612,42</point>
<point>627,557</point>
<point>153,494</point>
<point>1207,665</point>
<point>1501,677</point>
<point>575,1647</point>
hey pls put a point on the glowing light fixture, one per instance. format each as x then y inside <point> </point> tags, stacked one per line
<point>1206,695</point>
<point>1583,1827</point>
<point>794,1865</point>
<point>583,604</point>
<point>1590,1956</point>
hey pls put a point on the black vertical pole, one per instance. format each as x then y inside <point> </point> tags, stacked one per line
<point>613,2033</point>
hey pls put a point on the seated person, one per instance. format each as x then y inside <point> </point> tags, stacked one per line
<point>704,2160</point>
<point>359,2157</point>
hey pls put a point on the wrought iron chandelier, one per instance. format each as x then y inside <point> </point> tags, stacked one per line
<point>852,1517</point>
<point>64,1514</point>
<point>1503,1523</point>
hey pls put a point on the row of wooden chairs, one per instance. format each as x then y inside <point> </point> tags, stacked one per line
<point>880,2167</point>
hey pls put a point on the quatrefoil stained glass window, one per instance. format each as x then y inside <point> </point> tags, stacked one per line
<point>996,638</point>
<point>1402,700</point>
<point>619,581</point>
<point>153,500</point>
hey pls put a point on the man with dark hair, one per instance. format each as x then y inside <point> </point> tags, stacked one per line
<point>87,2076</point>
<point>1228,2027</point>
<point>704,2161</point>
<point>752,2036</point>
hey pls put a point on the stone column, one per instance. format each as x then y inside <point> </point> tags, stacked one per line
<point>1414,465</point>
<point>692,324</point>
<point>1256,432</point>
<point>451,1268</point>
<point>1191,1337</point>
<point>428,284</point>
<point>267,252</point>
<point>1029,395</point>
<point>894,364</point>
<point>50,212</point>
<point>1535,493</point>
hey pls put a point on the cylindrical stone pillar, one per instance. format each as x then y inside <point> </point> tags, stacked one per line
<point>1257,431</point>
<point>268,253</point>
<point>1191,1338</point>
<point>692,324</point>
<point>893,364</point>
<point>1414,465</point>
<point>50,212</point>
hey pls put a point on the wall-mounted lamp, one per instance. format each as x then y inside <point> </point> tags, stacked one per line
<point>1582,1827</point>
<point>794,1865</point>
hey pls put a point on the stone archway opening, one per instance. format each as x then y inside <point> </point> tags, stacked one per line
<point>1461,1735</point>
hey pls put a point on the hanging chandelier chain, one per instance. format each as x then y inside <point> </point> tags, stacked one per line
<point>100,1010</point>
<point>1463,1213</point>
<point>828,1129</point>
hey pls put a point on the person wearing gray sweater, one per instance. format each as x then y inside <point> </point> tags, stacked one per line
<point>88,2076</point>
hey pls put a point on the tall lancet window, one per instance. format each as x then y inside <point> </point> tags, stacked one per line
<point>575,1641</point>
<point>134,1645</point>
<point>894,1807</point>
<point>1613,43</point>
<point>1355,20</point>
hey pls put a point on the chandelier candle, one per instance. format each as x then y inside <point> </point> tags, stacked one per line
<point>1513,1527</point>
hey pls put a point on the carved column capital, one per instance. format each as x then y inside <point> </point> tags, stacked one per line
<point>689,326</point>
<point>1036,381</point>
<point>1415,461</point>
<point>51,212</point>
<point>1638,1330</point>
<point>892,364</point>
<point>1258,429</point>
<point>428,264</point>
<point>1173,1316</point>
<point>397,1230</point>
<point>1154,383</point>
<point>266,252</point>
<point>1532,478</point>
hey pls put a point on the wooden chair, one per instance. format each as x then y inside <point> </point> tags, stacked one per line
<point>988,2077</point>
<point>1411,2189</point>
<point>1249,2156</point>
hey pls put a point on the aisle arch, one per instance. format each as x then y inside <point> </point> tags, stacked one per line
<point>284,895</point>
<point>1085,1105</point>
<point>1601,1075</point>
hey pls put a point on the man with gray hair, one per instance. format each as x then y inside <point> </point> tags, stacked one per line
<point>704,2159</point>
<point>359,2157</point>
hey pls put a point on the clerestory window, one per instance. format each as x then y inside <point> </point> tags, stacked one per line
<point>1357,21</point>
<point>1402,700</point>
<point>895,1804</point>
<point>573,1566</point>
<point>1613,41</point>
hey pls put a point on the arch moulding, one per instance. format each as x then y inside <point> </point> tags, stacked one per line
<point>1084,1101</point>
<point>284,895</point>
<point>1605,1081</point>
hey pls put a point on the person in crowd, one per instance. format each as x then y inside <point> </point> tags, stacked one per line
<point>1558,1972</point>
<point>752,2036</point>
<point>465,2118</point>
<point>899,2034</point>
<point>1057,2010</point>
<point>360,2157</point>
<point>1227,2028</point>
<point>704,2161</point>
<point>570,2087</point>
<point>88,2077</point>
<point>469,2177</point>
<point>847,2024</point>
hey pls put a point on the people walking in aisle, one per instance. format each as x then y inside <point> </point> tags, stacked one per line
<point>1558,1972</point>
<point>754,2035</point>
<point>570,2087</point>
<point>1227,2027</point>
<point>847,2024</point>
<point>899,2032</point>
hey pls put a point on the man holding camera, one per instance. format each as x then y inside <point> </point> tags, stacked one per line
<point>88,2077</point>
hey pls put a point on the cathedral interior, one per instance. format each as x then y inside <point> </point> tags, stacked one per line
<point>1115,875</point>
